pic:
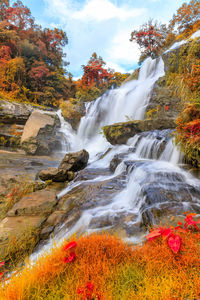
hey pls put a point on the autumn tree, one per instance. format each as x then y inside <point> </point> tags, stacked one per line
<point>94,73</point>
<point>95,79</point>
<point>150,38</point>
<point>38,51</point>
<point>186,16</point>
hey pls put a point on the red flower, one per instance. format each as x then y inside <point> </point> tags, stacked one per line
<point>167,107</point>
<point>174,242</point>
<point>70,245</point>
<point>70,258</point>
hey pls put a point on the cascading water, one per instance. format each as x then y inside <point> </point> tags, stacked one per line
<point>145,180</point>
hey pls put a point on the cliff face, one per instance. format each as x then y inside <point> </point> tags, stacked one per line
<point>14,118</point>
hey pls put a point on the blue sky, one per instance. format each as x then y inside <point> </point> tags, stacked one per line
<point>101,26</point>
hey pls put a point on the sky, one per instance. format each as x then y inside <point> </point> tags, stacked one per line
<point>101,26</point>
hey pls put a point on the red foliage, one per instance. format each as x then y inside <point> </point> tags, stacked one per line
<point>175,241</point>
<point>39,72</point>
<point>94,73</point>
<point>70,258</point>
<point>70,245</point>
<point>150,38</point>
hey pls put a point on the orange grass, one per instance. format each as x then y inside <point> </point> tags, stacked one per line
<point>115,269</point>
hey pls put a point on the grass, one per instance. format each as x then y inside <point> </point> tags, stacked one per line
<point>107,268</point>
<point>17,248</point>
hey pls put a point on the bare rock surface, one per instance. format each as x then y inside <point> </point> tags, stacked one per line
<point>37,203</point>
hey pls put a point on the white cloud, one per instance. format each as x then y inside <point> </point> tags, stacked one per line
<point>100,10</point>
<point>93,10</point>
<point>122,49</point>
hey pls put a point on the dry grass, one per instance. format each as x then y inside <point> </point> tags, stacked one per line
<point>114,269</point>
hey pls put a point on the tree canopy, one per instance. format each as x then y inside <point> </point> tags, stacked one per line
<point>31,58</point>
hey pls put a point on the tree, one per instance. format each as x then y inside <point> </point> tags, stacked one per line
<point>187,15</point>
<point>94,73</point>
<point>150,38</point>
<point>26,48</point>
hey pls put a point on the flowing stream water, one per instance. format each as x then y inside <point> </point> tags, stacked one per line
<point>146,183</point>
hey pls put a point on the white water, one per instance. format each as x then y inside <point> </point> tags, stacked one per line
<point>149,161</point>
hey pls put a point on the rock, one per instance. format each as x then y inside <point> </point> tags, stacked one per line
<point>114,163</point>
<point>15,225</point>
<point>119,133</point>
<point>56,175</point>
<point>37,203</point>
<point>14,113</point>
<point>162,103</point>
<point>39,135</point>
<point>56,218</point>
<point>75,161</point>
<point>72,111</point>
<point>72,162</point>
<point>45,232</point>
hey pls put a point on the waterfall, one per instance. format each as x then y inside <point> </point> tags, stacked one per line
<point>147,180</point>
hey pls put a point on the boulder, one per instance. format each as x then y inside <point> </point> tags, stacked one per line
<point>39,135</point>
<point>37,203</point>
<point>119,133</point>
<point>72,162</point>
<point>56,175</point>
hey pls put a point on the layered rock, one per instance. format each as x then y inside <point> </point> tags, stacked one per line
<point>72,162</point>
<point>119,133</point>
<point>13,117</point>
<point>39,135</point>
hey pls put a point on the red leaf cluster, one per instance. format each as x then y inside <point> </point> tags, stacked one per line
<point>173,240</point>
<point>72,256</point>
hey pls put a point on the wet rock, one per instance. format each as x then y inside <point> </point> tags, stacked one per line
<point>56,175</point>
<point>91,173</point>
<point>37,203</point>
<point>45,232</point>
<point>72,162</point>
<point>119,133</point>
<point>168,200</point>
<point>39,135</point>
<point>91,194</point>
<point>75,161</point>
<point>56,218</point>
<point>114,163</point>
